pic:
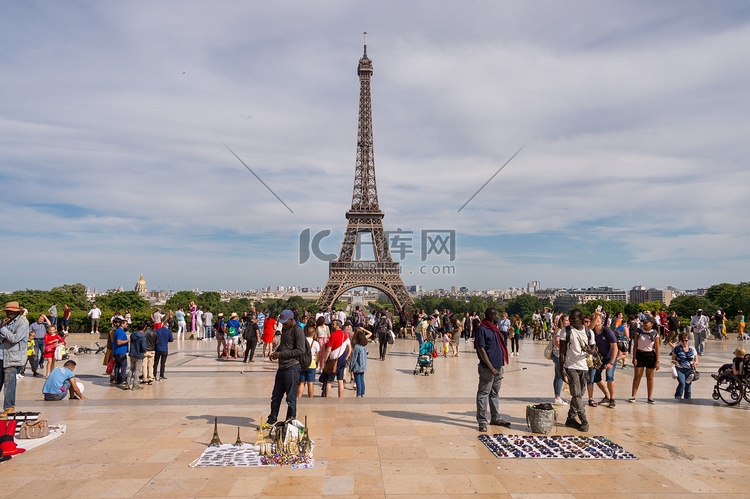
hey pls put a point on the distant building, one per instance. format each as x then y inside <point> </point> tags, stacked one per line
<point>570,298</point>
<point>140,287</point>
<point>662,295</point>
<point>639,294</point>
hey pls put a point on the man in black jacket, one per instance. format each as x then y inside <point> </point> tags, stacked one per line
<point>291,348</point>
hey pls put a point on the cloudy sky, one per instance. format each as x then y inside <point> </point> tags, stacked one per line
<point>115,119</point>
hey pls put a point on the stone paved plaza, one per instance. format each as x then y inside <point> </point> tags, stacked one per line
<point>410,436</point>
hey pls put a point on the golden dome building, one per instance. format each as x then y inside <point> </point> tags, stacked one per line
<point>140,287</point>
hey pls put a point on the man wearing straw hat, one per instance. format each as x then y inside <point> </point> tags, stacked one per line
<point>14,332</point>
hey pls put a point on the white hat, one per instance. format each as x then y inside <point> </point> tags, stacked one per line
<point>80,386</point>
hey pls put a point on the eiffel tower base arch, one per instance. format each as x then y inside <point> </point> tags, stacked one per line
<point>383,276</point>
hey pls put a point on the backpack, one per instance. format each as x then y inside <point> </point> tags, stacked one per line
<point>306,359</point>
<point>232,332</point>
<point>382,326</point>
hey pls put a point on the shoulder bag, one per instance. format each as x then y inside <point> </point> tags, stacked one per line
<point>548,348</point>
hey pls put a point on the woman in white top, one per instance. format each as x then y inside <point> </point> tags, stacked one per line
<point>646,343</point>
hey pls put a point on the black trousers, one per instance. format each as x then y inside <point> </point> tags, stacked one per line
<point>250,350</point>
<point>160,361</point>
<point>285,382</point>
<point>383,342</point>
<point>121,367</point>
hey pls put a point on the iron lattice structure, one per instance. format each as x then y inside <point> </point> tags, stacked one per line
<point>365,216</point>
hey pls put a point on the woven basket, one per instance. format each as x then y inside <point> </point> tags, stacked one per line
<point>540,420</point>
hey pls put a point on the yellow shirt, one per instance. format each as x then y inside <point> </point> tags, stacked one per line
<point>30,348</point>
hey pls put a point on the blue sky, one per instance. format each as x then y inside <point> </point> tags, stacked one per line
<point>115,115</point>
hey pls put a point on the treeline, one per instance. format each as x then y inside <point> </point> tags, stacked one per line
<point>728,298</point>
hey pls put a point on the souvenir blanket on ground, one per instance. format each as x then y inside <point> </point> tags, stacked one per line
<point>554,447</point>
<point>249,455</point>
<point>30,443</point>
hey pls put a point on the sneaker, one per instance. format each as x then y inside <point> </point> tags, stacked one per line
<point>482,428</point>
<point>559,401</point>
<point>266,426</point>
<point>19,376</point>
<point>500,422</point>
<point>38,375</point>
<point>584,425</point>
<point>631,400</point>
<point>611,403</point>
<point>651,401</point>
<point>137,387</point>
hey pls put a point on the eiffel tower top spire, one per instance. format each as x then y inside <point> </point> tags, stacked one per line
<point>365,196</point>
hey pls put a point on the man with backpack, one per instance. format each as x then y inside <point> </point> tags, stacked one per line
<point>292,353</point>
<point>383,328</point>
<point>233,335</point>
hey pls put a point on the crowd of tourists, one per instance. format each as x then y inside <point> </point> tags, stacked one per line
<point>330,349</point>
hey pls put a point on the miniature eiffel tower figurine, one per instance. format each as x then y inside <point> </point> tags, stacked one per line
<point>238,442</point>
<point>260,441</point>
<point>215,440</point>
<point>305,442</point>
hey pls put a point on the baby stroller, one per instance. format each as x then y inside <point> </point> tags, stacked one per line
<point>730,388</point>
<point>425,359</point>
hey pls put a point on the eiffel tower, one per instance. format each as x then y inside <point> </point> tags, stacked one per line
<point>365,216</point>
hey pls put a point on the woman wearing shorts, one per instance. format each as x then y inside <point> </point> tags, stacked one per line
<point>646,342</point>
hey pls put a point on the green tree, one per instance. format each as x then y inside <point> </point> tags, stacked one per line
<point>730,298</point>
<point>525,304</point>
<point>114,301</point>
<point>687,305</point>
<point>211,299</point>
<point>180,299</point>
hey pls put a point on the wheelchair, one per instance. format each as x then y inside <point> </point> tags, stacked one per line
<point>731,389</point>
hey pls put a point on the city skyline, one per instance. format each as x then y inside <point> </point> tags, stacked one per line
<point>115,161</point>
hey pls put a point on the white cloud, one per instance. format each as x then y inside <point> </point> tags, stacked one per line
<point>632,116</point>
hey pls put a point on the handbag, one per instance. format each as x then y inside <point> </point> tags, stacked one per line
<point>674,371</point>
<point>110,366</point>
<point>696,375</point>
<point>548,349</point>
<point>59,352</point>
<point>391,337</point>
<point>331,366</point>
<point>37,429</point>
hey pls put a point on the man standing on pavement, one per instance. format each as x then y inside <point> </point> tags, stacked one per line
<point>157,317</point>
<point>699,323</point>
<point>95,313</point>
<point>606,344</point>
<point>208,324</point>
<point>53,314</point>
<point>164,338</point>
<point>149,355</point>
<point>292,348</point>
<point>137,354</point>
<point>14,334</point>
<point>40,330</point>
<point>493,355</point>
<point>576,341</point>
<point>120,351</point>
